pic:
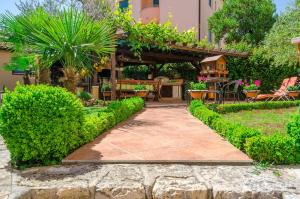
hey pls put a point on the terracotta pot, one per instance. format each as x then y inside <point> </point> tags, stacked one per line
<point>198,94</point>
<point>106,93</point>
<point>252,93</point>
<point>293,93</point>
<point>141,93</point>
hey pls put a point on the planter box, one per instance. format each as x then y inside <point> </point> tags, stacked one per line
<point>198,94</point>
<point>106,93</point>
<point>293,94</point>
<point>252,93</point>
<point>141,93</point>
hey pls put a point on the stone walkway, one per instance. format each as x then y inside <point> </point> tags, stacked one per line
<point>147,181</point>
<point>159,135</point>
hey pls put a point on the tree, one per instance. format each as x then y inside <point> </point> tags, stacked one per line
<point>239,20</point>
<point>70,37</point>
<point>98,9</point>
<point>277,45</point>
<point>51,6</point>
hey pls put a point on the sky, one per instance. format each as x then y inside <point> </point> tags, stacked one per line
<point>10,5</point>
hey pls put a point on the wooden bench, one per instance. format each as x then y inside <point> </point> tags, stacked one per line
<point>125,88</point>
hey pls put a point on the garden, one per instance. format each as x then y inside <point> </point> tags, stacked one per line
<point>44,122</point>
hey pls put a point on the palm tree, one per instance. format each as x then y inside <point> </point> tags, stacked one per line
<point>70,37</point>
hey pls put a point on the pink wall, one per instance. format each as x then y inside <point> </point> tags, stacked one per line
<point>184,15</point>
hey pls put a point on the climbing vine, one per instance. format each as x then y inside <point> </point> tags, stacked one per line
<point>141,37</point>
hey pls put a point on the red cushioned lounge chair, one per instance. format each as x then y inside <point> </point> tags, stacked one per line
<point>281,93</point>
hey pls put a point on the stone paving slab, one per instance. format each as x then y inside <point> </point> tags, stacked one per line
<point>148,181</point>
<point>160,135</point>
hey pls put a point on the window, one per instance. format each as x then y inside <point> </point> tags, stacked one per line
<point>123,4</point>
<point>155,3</point>
<point>210,3</point>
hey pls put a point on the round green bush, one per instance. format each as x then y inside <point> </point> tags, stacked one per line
<point>41,124</point>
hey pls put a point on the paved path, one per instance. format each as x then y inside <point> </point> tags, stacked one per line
<point>165,134</point>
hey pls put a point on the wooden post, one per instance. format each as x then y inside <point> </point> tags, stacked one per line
<point>113,77</point>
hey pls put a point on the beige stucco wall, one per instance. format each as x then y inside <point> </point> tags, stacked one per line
<point>185,13</point>
<point>6,77</point>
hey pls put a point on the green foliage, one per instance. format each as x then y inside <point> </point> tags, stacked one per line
<point>293,130</point>
<point>198,86</point>
<point>98,121</point>
<point>41,124</point>
<point>136,72</point>
<point>277,45</point>
<point>70,37</point>
<point>250,87</point>
<point>231,108</point>
<point>122,110</point>
<point>275,149</point>
<point>152,35</point>
<point>243,20</point>
<point>293,88</point>
<point>234,133</point>
<point>105,87</point>
<point>274,59</point>
<point>85,96</point>
<point>140,87</point>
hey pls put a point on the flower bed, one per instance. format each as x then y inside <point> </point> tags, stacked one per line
<point>276,148</point>
<point>42,124</point>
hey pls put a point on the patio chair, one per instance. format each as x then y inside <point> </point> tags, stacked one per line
<point>232,88</point>
<point>281,93</point>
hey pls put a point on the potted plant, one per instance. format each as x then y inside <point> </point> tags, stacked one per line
<point>198,90</point>
<point>252,90</point>
<point>293,91</point>
<point>141,91</point>
<point>106,90</point>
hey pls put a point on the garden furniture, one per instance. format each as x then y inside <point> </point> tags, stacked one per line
<point>232,88</point>
<point>281,93</point>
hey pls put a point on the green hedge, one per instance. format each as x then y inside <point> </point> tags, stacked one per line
<point>42,124</point>
<point>229,108</point>
<point>118,111</point>
<point>277,148</point>
<point>293,130</point>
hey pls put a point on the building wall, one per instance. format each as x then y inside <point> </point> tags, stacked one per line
<point>185,13</point>
<point>6,77</point>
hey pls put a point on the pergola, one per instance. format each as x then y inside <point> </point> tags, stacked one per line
<point>177,54</point>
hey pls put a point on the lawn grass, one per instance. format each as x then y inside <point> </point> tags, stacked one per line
<point>268,121</point>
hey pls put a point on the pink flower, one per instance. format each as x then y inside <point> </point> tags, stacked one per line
<point>257,83</point>
<point>241,83</point>
<point>202,78</point>
<point>247,84</point>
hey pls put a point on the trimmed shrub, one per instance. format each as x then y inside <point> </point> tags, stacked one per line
<point>293,130</point>
<point>41,124</point>
<point>230,108</point>
<point>276,149</point>
<point>236,134</point>
<point>97,122</point>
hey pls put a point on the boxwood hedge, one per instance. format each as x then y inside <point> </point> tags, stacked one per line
<point>229,108</point>
<point>277,148</point>
<point>42,124</point>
